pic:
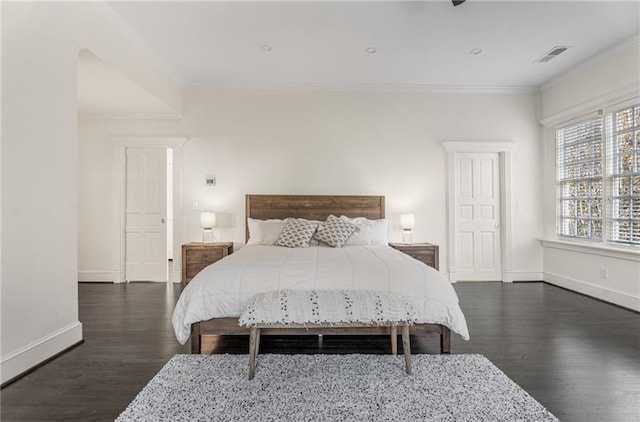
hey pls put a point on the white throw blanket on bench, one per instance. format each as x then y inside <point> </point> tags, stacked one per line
<point>328,306</point>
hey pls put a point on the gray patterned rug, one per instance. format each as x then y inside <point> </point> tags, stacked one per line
<point>333,388</point>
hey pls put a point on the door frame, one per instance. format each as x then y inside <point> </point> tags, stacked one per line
<point>504,150</point>
<point>120,145</point>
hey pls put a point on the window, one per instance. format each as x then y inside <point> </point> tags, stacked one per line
<point>624,175</point>
<point>586,152</point>
<point>580,178</point>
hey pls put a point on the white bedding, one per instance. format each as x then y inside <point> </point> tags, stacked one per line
<point>223,289</point>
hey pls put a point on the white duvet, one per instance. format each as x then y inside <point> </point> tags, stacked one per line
<point>223,289</point>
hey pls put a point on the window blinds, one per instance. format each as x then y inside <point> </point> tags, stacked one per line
<point>580,179</point>
<point>623,175</point>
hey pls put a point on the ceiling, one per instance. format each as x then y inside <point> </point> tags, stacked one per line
<point>103,89</point>
<point>418,44</point>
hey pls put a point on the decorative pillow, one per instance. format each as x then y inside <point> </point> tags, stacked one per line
<point>335,231</point>
<point>296,233</point>
<point>264,232</point>
<point>314,242</point>
<point>371,232</point>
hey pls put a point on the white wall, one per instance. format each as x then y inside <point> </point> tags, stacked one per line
<point>586,87</point>
<point>601,83</point>
<point>323,143</point>
<point>40,44</point>
<point>39,294</point>
<point>580,269</point>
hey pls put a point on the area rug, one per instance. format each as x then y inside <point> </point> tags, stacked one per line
<point>333,388</point>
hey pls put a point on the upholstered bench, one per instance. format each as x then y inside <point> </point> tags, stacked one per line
<point>333,311</point>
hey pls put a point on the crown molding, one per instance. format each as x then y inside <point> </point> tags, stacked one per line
<point>128,116</point>
<point>365,87</point>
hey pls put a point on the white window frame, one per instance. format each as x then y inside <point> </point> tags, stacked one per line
<point>608,170</point>
<point>606,114</point>
<point>558,183</point>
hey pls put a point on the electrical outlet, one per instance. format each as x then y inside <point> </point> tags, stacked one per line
<point>195,205</point>
<point>210,180</point>
<point>604,273</point>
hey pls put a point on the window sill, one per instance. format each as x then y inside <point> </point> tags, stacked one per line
<point>631,253</point>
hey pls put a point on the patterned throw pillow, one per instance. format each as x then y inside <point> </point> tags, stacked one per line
<point>335,231</point>
<point>296,233</point>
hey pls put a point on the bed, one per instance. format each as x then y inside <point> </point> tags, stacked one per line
<point>211,303</point>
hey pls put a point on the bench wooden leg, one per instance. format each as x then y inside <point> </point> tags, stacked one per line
<point>257,345</point>
<point>195,337</point>
<point>406,346</point>
<point>254,334</point>
<point>394,340</point>
<point>445,341</point>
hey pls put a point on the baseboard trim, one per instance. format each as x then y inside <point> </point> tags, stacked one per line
<point>510,276</point>
<point>598,292</point>
<point>519,276</point>
<point>451,275</point>
<point>25,359</point>
<point>98,276</point>
<point>41,364</point>
<point>177,277</point>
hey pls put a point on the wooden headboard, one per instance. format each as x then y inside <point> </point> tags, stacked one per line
<point>312,207</point>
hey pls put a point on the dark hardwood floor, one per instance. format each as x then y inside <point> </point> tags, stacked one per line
<point>577,356</point>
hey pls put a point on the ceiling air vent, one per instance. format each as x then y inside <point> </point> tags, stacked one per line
<point>553,53</point>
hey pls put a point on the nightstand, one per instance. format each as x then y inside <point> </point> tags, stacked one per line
<point>197,255</point>
<point>425,252</point>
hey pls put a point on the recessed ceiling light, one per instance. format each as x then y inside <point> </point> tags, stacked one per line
<point>371,50</point>
<point>266,47</point>
<point>475,51</point>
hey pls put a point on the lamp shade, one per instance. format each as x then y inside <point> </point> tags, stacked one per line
<point>407,221</point>
<point>207,220</point>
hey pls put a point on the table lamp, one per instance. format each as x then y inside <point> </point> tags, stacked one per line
<point>207,222</point>
<point>407,222</point>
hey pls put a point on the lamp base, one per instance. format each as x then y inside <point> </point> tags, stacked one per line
<point>407,236</point>
<point>207,236</point>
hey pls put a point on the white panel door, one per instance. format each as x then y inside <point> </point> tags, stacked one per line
<point>145,214</point>
<point>477,202</point>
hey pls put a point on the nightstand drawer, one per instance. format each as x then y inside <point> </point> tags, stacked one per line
<point>428,257</point>
<point>423,252</point>
<point>204,256</point>
<point>195,268</point>
<point>197,256</point>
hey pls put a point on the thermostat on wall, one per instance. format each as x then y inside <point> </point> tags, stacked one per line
<point>210,180</point>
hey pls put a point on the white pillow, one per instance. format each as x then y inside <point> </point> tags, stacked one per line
<point>379,232</point>
<point>370,232</point>
<point>264,232</point>
<point>360,237</point>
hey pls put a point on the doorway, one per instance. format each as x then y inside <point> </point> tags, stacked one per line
<point>479,214</point>
<point>146,184</point>
<point>150,207</point>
